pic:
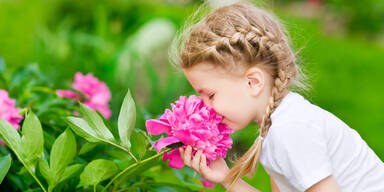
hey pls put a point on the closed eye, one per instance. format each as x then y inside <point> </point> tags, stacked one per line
<point>211,96</point>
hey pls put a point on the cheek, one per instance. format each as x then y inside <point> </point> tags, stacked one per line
<point>235,108</point>
<point>242,114</point>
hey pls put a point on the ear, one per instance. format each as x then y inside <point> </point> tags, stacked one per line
<point>256,80</point>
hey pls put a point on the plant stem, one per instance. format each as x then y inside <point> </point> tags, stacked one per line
<point>29,171</point>
<point>122,148</point>
<point>44,89</point>
<point>33,175</point>
<point>131,166</point>
<point>94,188</point>
<point>132,156</point>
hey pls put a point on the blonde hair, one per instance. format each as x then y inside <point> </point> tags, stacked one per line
<point>242,34</point>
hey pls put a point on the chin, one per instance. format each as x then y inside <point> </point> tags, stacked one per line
<point>234,127</point>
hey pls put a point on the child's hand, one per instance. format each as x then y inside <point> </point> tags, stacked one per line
<point>215,173</point>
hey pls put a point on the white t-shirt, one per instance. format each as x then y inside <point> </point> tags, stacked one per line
<point>306,144</point>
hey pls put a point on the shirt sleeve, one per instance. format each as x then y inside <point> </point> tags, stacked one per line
<point>300,154</point>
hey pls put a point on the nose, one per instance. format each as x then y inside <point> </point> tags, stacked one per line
<point>207,102</point>
<point>210,104</point>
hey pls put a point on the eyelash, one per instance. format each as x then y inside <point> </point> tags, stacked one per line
<point>211,96</point>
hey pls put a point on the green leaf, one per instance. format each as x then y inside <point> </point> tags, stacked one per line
<point>5,164</point>
<point>32,141</point>
<point>62,153</point>
<point>70,171</point>
<point>97,171</point>
<point>46,171</point>
<point>166,187</point>
<point>12,139</point>
<point>127,119</point>
<point>81,128</point>
<point>139,143</point>
<point>96,122</point>
<point>87,147</point>
<point>10,136</point>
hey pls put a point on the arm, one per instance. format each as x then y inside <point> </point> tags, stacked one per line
<point>329,184</point>
<point>274,186</point>
<point>241,186</point>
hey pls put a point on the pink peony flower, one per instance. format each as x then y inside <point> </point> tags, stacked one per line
<point>97,93</point>
<point>193,123</point>
<point>8,111</point>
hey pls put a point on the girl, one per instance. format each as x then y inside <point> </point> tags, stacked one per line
<point>239,60</point>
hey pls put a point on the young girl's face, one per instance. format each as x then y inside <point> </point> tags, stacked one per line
<point>227,92</point>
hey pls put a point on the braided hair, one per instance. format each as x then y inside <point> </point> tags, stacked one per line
<point>243,34</point>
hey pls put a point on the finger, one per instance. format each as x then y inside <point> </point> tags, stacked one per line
<point>181,151</point>
<point>203,165</point>
<point>196,161</point>
<point>187,156</point>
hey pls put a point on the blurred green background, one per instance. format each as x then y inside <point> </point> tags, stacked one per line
<point>124,43</point>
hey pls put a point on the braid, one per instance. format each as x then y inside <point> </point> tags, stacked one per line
<point>275,99</point>
<point>253,42</point>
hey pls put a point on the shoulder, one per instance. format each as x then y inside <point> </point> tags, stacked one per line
<point>297,111</point>
<point>298,151</point>
<point>290,132</point>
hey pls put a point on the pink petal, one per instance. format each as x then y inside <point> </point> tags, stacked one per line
<point>160,144</point>
<point>8,111</point>
<point>105,111</point>
<point>185,136</point>
<point>175,159</point>
<point>155,126</point>
<point>67,94</point>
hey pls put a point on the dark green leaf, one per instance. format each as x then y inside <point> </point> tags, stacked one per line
<point>46,171</point>
<point>139,143</point>
<point>175,145</point>
<point>70,171</point>
<point>97,171</point>
<point>87,147</point>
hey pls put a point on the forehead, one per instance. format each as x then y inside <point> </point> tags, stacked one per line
<point>205,75</point>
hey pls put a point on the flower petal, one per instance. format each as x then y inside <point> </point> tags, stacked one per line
<point>67,94</point>
<point>155,126</point>
<point>175,159</point>
<point>160,144</point>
